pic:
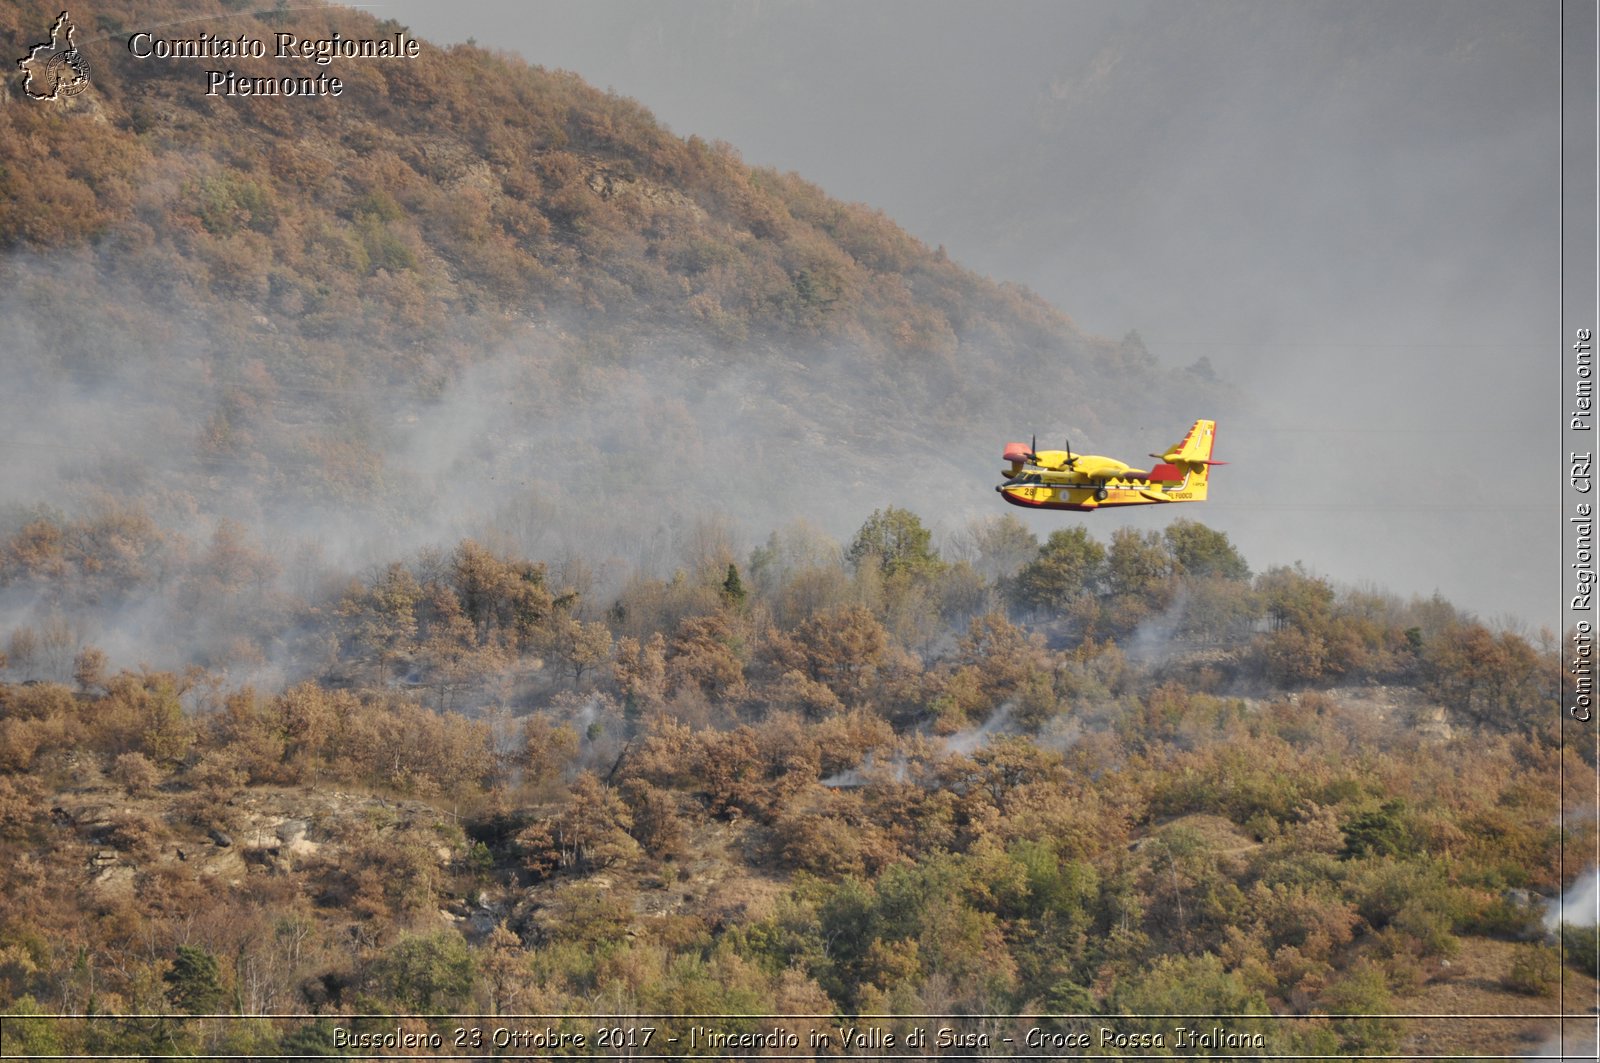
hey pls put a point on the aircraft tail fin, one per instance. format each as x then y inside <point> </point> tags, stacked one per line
<point>1196,446</point>
<point>1192,454</point>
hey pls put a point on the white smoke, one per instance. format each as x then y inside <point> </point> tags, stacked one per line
<point>1578,906</point>
<point>1577,1047</point>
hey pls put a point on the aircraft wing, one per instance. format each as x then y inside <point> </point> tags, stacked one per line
<point>1095,467</point>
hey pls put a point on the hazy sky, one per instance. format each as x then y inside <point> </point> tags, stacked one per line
<point>1349,207</point>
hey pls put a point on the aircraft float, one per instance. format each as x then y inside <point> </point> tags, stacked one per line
<point>1060,479</point>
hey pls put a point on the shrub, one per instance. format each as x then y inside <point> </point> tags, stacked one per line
<point>1582,946</point>
<point>1536,971</point>
<point>135,773</point>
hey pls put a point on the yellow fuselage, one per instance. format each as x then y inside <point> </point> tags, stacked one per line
<point>1073,490</point>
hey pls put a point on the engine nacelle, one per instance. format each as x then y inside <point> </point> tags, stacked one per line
<point>1017,453</point>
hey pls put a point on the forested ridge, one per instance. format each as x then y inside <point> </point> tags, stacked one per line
<point>454,207</point>
<point>436,574</point>
<point>468,298</point>
<point>1081,776</point>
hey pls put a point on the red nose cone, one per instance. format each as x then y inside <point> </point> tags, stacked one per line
<point>1017,452</point>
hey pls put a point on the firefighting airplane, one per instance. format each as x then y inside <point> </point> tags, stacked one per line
<point>1060,479</point>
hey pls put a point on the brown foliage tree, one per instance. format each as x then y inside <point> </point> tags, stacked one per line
<point>704,653</point>
<point>382,620</point>
<point>640,670</point>
<point>89,668</point>
<point>843,649</point>
<point>594,826</point>
<point>657,825</point>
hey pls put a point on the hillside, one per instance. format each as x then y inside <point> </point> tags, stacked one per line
<point>464,548</point>
<point>854,785</point>
<point>471,298</point>
<point>292,298</point>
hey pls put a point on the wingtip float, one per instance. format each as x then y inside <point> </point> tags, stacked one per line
<point>1060,479</point>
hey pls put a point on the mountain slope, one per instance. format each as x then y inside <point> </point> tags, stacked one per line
<point>469,296</point>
